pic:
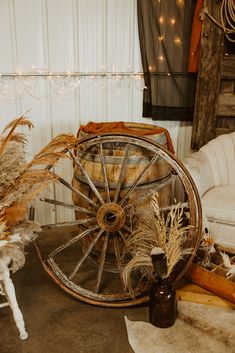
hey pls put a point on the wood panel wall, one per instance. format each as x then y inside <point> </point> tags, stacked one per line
<point>226,100</point>
<point>215,97</point>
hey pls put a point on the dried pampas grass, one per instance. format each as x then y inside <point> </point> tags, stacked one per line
<point>20,183</point>
<point>156,230</point>
<point>11,135</point>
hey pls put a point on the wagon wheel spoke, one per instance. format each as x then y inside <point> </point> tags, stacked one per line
<point>122,236</point>
<point>122,173</point>
<point>127,228</point>
<point>101,262</point>
<point>104,172</point>
<point>162,183</point>
<point>73,240</point>
<point>91,246</point>
<point>70,223</point>
<point>67,205</point>
<point>118,260</point>
<point>132,188</point>
<point>70,187</point>
<point>90,182</point>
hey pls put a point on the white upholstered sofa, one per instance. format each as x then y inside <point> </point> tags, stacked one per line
<point>213,170</point>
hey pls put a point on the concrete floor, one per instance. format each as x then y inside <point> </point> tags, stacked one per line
<point>58,323</point>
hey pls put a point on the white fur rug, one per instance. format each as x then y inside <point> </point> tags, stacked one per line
<point>198,329</point>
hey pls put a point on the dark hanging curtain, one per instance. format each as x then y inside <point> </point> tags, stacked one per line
<point>164,33</point>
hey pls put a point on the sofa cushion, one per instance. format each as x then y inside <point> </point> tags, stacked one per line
<point>219,204</point>
<point>221,156</point>
<point>199,167</point>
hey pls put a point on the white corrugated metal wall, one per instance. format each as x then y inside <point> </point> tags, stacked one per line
<point>90,36</point>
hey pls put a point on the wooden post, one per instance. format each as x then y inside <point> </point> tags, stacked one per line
<point>208,82</point>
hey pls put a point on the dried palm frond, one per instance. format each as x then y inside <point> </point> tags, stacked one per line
<point>17,137</point>
<point>27,186</point>
<point>21,121</point>
<point>54,150</point>
<point>60,142</point>
<point>156,230</point>
<point>4,230</point>
<point>12,164</point>
<point>15,214</point>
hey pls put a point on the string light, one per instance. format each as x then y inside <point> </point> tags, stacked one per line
<point>63,84</point>
<point>152,68</point>
<point>160,58</point>
<point>161,19</point>
<point>177,41</point>
<point>172,21</point>
<point>180,3</point>
<point>161,38</point>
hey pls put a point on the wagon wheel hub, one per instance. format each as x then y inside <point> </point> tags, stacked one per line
<point>111,217</point>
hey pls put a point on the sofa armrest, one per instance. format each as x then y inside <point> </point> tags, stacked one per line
<point>199,167</point>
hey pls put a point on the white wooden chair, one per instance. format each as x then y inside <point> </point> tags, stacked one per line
<point>7,289</point>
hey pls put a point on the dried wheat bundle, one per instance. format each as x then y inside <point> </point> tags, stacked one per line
<point>155,230</point>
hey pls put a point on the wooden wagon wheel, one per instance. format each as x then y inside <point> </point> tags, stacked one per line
<point>105,217</point>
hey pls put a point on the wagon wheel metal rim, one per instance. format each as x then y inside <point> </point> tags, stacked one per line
<point>105,208</point>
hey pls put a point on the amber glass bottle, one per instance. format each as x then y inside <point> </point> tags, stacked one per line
<point>162,304</point>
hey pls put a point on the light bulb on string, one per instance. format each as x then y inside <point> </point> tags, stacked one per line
<point>161,19</point>
<point>139,82</point>
<point>177,41</point>
<point>172,21</point>
<point>161,38</point>
<point>76,84</point>
<point>180,3</point>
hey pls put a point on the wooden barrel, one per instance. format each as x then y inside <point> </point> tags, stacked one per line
<point>114,153</point>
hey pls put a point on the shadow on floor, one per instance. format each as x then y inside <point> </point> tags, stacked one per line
<point>58,323</point>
